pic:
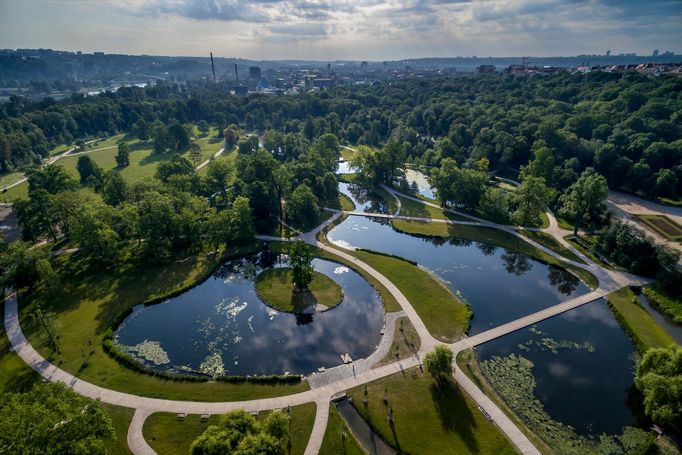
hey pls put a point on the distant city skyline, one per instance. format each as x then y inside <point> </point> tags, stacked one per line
<point>344,29</point>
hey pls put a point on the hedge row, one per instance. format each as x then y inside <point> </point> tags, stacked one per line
<point>130,362</point>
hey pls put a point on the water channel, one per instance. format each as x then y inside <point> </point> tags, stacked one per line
<point>584,361</point>
<point>222,327</point>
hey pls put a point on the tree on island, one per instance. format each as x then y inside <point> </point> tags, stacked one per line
<point>439,363</point>
<point>301,258</point>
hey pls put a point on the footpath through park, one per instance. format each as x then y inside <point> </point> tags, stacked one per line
<point>322,391</point>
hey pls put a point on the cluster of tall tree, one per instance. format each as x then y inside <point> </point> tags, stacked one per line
<point>625,126</point>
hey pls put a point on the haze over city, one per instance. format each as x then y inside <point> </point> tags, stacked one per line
<point>357,30</point>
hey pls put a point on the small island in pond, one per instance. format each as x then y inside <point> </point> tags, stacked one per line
<point>276,288</point>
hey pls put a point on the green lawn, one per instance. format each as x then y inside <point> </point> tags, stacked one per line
<point>168,436</point>
<point>642,328</point>
<point>143,162</point>
<point>428,418</point>
<point>585,245</point>
<point>406,342</point>
<point>488,235</point>
<point>121,418</point>
<point>347,154</point>
<point>334,442</point>
<point>90,300</point>
<point>9,178</point>
<point>59,149</point>
<point>664,302</point>
<point>276,288</point>
<point>550,242</point>
<point>445,316</point>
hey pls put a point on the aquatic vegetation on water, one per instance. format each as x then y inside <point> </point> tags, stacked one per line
<point>213,365</point>
<point>512,378</point>
<point>151,351</point>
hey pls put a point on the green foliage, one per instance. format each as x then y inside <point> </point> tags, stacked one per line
<point>51,419</point>
<point>495,205</point>
<point>301,258</point>
<point>457,186</point>
<point>659,377</point>
<point>240,433</point>
<point>583,201</point>
<point>20,264</point>
<point>87,168</point>
<point>123,156</point>
<point>530,199</point>
<point>301,207</point>
<point>438,363</point>
<point>631,248</point>
<point>379,165</point>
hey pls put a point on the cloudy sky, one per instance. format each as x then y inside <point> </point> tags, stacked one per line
<point>344,29</point>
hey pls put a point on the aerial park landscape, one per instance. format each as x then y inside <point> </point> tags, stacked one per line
<point>212,255</point>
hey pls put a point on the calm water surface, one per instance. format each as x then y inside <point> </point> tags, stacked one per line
<point>222,327</point>
<point>587,380</point>
<point>422,182</point>
<point>499,284</point>
<point>365,200</point>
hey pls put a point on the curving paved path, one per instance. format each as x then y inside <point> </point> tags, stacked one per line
<point>321,395</point>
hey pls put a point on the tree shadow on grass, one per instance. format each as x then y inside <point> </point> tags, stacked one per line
<point>454,412</point>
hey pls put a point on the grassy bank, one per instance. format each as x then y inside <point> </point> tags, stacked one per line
<point>337,437</point>
<point>466,360</point>
<point>120,418</point>
<point>406,342</point>
<point>275,287</point>
<point>451,420</point>
<point>90,300</point>
<point>664,302</point>
<point>550,242</point>
<point>638,323</point>
<point>445,316</point>
<point>169,436</point>
<point>488,235</point>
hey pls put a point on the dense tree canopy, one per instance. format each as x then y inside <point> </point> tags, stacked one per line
<point>241,434</point>
<point>51,419</point>
<point>659,377</point>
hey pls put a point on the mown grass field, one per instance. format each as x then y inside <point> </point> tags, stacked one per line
<point>492,236</point>
<point>643,329</point>
<point>91,299</point>
<point>428,418</point>
<point>143,162</point>
<point>406,342</point>
<point>550,242</point>
<point>445,316</point>
<point>169,436</point>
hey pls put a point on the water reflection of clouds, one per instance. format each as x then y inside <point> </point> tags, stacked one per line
<point>559,369</point>
<point>592,312</point>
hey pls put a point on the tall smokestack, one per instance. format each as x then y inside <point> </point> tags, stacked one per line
<point>213,67</point>
<point>236,72</point>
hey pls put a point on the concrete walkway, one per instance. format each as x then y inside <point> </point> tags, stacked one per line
<point>322,394</point>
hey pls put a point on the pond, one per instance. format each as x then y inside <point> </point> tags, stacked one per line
<point>422,182</point>
<point>344,168</point>
<point>365,200</point>
<point>222,327</point>
<point>583,367</point>
<point>500,285</point>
